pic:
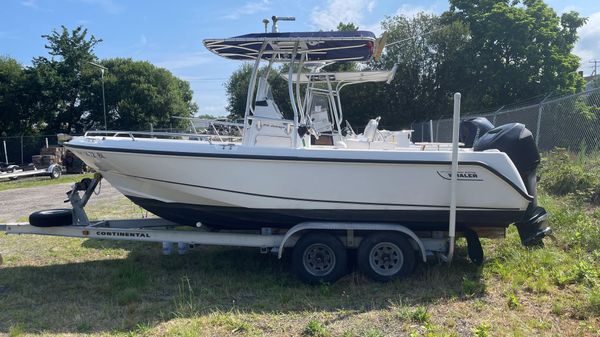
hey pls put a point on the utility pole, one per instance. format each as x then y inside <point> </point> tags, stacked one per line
<point>595,62</point>
<point>102,69</point>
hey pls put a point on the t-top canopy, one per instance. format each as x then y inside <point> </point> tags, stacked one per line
<point>317,46</point>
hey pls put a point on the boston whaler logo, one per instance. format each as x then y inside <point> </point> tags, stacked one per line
<point>461,175</point>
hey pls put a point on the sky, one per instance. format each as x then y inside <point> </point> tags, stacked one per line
<point>169,34</point>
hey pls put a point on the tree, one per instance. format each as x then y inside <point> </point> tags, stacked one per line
<point>11,81</point>
<point>236,89</point>
<point>61,77</point>
<point>517,49</point>
<point>18,99</point>
<point>137,94</point>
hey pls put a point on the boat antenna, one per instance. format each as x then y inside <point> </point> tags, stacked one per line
<point>280,18</point>
<point>414,37</point>
<point>266,23</point>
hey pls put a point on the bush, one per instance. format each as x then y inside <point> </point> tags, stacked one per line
<point>563,174</point>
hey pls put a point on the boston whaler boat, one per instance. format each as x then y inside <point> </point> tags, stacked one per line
<point>276,178</point>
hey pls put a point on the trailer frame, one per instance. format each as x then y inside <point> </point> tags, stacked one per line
<point>54,171</point>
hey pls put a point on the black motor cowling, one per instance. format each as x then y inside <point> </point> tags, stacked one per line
<point>472,129</point>
<point>518,143</point>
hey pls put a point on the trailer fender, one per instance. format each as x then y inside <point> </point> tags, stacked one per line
<point>352,226</point>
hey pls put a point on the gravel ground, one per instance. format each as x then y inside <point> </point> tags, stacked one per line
<point>18,203</point>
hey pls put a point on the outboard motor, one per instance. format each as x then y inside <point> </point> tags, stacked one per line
<point>473,128</point>
<point>518,143</point>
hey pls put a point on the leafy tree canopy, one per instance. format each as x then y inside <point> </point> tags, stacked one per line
<point>137,94</point>
<point>517,49</point>
<point>63,92</point>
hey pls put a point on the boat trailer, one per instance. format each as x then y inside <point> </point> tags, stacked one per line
<point>74,222</point>
<point>54,171</point>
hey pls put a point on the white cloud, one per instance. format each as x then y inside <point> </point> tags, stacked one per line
<point>568,9</point>
<point>248,9</point>
<point>30,3</point>
<point>143,40</point>
<point>371,6</point>
<point>185,60</point>
<point>108,6</point>
<point>412,10</point>
<point>33,4</point>
<point>337,11</point>
<point>213,110</point>
<point>588,46</point>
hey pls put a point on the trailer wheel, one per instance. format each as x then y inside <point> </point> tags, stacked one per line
<point>51,218</point>
<point>384,256</point>
<point>319,257</point>
<point>56,172</point>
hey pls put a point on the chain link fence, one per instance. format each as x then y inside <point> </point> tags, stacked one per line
<point>20,149</point>
<point>570,121</point>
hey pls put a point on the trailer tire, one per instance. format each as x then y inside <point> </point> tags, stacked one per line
<point>56,172</point>
<point>52,218</point>
<point>319,258</point>
<point>384,256</point>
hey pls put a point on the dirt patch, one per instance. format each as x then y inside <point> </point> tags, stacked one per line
<point>17,204</point>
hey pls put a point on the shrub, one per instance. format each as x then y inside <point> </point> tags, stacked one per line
<point>316,329</point>
<point>420,315</point>
<point>563,174</point>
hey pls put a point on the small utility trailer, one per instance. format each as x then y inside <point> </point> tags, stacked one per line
<point>319,249</point>
<point>12,172</point>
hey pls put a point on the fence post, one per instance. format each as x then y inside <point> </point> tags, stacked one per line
<point>5,153</point>
<point>431,130</point>
<point>22,163</point>
<point>539,120</point>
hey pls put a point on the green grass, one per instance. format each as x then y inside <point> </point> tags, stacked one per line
<point>52,285</point>
<point>40,181</point>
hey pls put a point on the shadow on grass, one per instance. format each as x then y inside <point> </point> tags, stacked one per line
<point>148,288</point>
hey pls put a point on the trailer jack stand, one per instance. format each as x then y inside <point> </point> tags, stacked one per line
<point>474,248</point>
<point>78,202</point>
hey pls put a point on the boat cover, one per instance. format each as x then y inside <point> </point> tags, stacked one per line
<point>317,46</point>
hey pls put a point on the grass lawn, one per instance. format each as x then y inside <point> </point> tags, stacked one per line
<point>41,181</point>
<point>51,285</point>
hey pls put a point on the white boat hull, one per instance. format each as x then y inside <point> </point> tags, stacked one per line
<point>237,186</point>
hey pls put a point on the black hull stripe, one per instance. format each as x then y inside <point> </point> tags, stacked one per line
<point>311,159</point>
<point>314,200</point>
